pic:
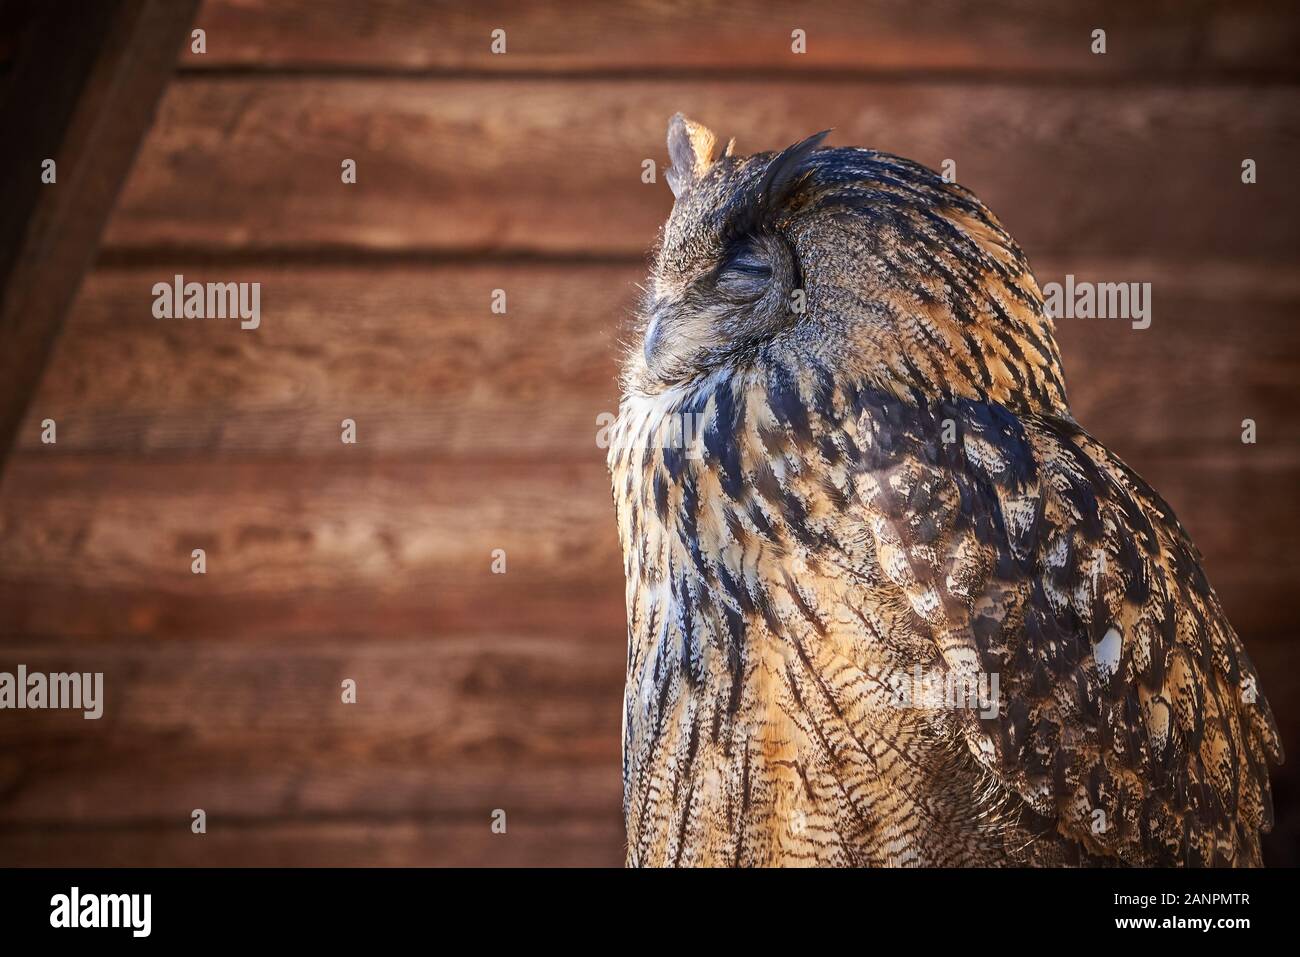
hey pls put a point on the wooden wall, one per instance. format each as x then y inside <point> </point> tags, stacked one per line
<point>478,431</point>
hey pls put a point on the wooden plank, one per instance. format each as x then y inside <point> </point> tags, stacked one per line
<point>1242,513</point>
<point>442,728</point>
<point>415,356</point>
<point>430,697</point>
<point>444,732</point>
<point>81,90</point>
<point>534,604</point>
<point>543,842</point>
<point>361,522</point>
<point>95,547</point>
<point>295,548</point>
<point>1222,347</point>
<point>1007,36</point>
<point>258,778</point>
<point>553,166</point>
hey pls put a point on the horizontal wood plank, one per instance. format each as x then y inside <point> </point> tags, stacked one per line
<point>413,354</point>
<point>102,547</point>
<point>436,698</point>
<point>1017,36</point>
<point>544,842</point>
<point>60,781</point>
<point>554,166</point>
<point>446,728</point>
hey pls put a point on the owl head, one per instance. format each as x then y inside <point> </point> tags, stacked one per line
<point>857,261</point>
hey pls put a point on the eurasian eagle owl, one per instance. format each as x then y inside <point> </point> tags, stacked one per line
<point>848,483</point>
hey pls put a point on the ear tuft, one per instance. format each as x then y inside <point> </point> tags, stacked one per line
<point>692,149</point>
<point>784,175</point>
<point>786,170</point>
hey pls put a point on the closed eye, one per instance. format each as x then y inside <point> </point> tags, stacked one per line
<point>749,267</point>
<point>746,263</point>
<point>745,275</point>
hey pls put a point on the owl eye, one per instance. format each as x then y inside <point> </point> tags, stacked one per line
<point>748,264</point>
<point>744,275</point>
<point>750,267</point>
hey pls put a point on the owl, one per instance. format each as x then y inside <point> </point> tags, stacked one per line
<point>888,603</point>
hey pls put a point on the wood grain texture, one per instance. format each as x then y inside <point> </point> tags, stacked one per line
<point>101,546</point>
<point>413,353</point>
<point>263,732</point>
<point>332,843</point>
<point>554,166</point>
<point>1018,36</point>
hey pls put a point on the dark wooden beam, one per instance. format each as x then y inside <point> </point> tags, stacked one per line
<point>82,88</point>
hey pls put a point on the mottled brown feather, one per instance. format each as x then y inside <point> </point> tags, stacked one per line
<point>892,480</point>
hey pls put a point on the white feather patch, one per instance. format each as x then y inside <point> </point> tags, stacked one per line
<point>1107,653</point>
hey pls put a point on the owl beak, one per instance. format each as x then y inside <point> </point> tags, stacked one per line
<point>653,341</point>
